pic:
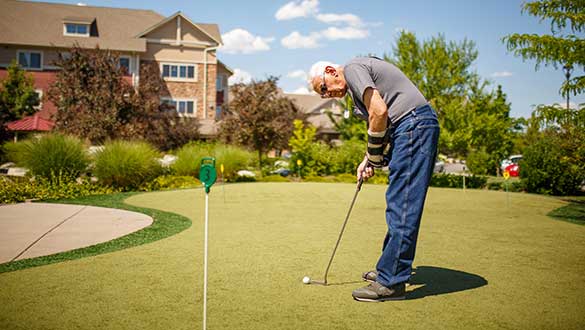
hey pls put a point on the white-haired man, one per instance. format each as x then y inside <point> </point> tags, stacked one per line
<point>403,132</point>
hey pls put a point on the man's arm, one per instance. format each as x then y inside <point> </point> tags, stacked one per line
<point>377,127</point>
<point>377,110</point>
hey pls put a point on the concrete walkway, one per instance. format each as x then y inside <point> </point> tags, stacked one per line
<point>29,230</point>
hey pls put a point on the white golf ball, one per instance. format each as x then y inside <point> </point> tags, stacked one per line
<point>306,280</point>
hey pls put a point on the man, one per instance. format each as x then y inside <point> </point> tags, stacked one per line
<point>403,132</point>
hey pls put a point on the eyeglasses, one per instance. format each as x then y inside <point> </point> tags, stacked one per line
<point>323,87</point>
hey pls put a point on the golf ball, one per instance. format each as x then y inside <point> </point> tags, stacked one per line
<point>306,280</point>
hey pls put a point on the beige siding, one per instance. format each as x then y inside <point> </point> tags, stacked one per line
<point>190,33</point>
<point>170,53</point>
<point>166,31</point>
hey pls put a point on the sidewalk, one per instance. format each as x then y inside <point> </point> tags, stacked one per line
<point>29,230</point>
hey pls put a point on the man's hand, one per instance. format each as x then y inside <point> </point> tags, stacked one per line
<point>364,170</point>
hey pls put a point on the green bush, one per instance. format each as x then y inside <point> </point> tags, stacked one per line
<point>274,178</point>
<point>456,181</point>
<point>233,159</point>
<point>379,178</point>
<point>244,178</point>
<point>165,182</point>
<point>348,156</point>
<point>50,156</point>
<point>189,159</point>
<point>54,187</point>
<point>478,162</point>
<point>127,165</point>
<point>548,169</point>
<point>495,186</point>
<point>345,178</point>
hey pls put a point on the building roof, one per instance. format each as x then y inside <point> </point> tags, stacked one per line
<point>41,24</point>
<point>310,103</point>
<point>30,123</point>
<point>315,107</point>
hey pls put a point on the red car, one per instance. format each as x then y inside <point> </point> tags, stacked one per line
<point>513,169</point>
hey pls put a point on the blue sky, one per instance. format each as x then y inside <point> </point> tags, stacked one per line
<point>284,38</point>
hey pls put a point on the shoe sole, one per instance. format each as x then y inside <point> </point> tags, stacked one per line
<point>379,300</point>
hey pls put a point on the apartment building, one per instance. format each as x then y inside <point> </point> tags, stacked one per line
<point>33,33</point>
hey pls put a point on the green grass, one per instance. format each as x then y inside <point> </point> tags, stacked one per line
<point>165,224</point>
<point>479,265</point>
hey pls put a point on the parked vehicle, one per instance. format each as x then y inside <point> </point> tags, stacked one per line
<point>514,159</point>
<point>513,169</point>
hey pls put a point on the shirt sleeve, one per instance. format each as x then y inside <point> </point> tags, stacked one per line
<point>358,79</point>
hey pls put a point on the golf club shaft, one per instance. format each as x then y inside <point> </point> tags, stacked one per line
<point>357,190</point>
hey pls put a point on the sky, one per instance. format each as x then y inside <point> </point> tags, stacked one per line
<point>284,38</point>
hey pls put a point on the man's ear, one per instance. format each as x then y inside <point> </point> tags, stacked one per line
<point>330,70</point>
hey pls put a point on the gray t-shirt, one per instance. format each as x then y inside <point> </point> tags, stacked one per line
<point>398,92</point>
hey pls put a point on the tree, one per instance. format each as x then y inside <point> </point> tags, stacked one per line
<point>473,119</point>
<point>152,121</point>
<point>90,94</point>
<point>350,127</point>
<point>258,117</point>
<point>440,69</point>
<point>560,48</point>
<point>17,97</point>
<point>94,102</point>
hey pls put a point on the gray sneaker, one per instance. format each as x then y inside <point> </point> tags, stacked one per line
<point>375,292</point>
<point>370,276</point>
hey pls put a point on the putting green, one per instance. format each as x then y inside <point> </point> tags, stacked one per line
<point>479,264</point>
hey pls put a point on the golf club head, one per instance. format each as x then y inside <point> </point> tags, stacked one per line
<point>318,282</point>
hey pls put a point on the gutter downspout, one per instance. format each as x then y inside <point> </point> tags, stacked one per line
<point>205,78</point>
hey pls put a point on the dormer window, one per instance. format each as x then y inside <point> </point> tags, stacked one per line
<point>79,26</point>
<point>76,29</point>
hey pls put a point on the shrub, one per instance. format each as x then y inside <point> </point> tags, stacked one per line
<point>348,156</point>
<point>50,156</point>
<point>54,187</point>
<point>189,159</point>
<point>165,182</point>
<point>274,178</point>
<point>548,169</point>
<point>233,159</point>
<point>126,165</point>
<point>456,181</point>
<point>495,186</point>
<point>478,162</point>
<point>345,178</point>
<point>380,178</point>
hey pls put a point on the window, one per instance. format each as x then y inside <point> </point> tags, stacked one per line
<point>218,112</point>
<point>185,107</point>
<point>30,59</point>
<point>74,29</point>
<point>178,71</point>
<point>125,64</point>
<point>219,83</point>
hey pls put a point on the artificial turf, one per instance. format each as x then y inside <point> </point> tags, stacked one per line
<point>480,264</point>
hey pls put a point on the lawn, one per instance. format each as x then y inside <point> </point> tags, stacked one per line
<point>480,264</point>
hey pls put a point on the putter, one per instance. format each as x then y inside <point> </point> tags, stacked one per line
<point>357,190</point>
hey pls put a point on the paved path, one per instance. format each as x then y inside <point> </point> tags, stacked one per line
<point>29,230</point>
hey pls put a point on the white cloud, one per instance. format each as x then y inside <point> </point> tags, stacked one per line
<point>241,41</point>
<point>350,19</point>
<point>334,33</point>
<point>240,76</point>
<point>298,74</point>
<point>296,9</point>
<point>500,74</point>
<point>301,90</point>
<point>297,40</point>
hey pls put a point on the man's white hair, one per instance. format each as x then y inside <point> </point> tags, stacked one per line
<point>318,68</point>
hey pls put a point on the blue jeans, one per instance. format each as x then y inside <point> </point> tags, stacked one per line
<point>414,139</point>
